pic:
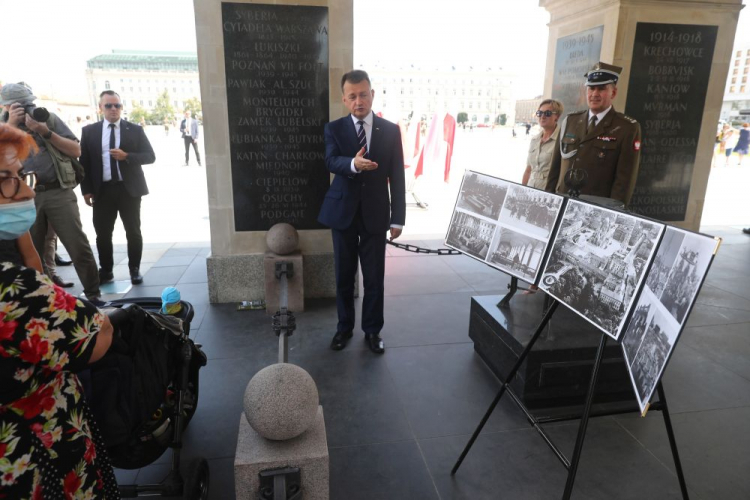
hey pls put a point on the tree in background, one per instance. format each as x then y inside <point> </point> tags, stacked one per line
<point>138,113</point>
<point>163,109</point>
<point>194,105</point>
<point>462,118</point>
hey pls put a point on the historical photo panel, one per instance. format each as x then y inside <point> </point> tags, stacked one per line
<point>505,225</point>
<point>598,261</point>
<point>672,285</point>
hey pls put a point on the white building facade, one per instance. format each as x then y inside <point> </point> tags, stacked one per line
<point>737,90</point>
<point>141,76</point>
<point>483,94</point>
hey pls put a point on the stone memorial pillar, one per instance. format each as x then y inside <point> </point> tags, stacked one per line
<point>676,56</point>
<point>269,75</point>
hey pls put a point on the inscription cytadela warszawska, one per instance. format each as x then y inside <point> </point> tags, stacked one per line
<point>276,60</point>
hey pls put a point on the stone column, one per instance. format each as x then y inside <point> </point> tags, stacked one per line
<point>679,52</point>
<point>235,266</point>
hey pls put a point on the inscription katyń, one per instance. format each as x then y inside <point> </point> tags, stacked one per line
<point>276,60</point>
<point>666,94</point>
<point>574,55</point>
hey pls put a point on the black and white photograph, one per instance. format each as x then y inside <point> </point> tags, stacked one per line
<point>672,285</point>
<point>482,194</point>
<point>598,261</point>
<point>517,254</point>
<point>688,269</point>
<point>652,348</point>
<point>531,211</point>
<point>470,234</point>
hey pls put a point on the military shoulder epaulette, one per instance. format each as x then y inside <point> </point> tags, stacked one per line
<point>631,120</point>
<point>578,112</point>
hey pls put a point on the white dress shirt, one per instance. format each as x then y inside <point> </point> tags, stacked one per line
<point>599,116</point>
<point>187,125</point>
<point>106,172</point>
<point>368,133</point>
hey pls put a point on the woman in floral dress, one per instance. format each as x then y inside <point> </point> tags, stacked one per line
<point>49,445</point>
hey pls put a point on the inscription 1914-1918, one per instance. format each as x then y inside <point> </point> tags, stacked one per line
<point>276,59</point>
<point>666,94</point>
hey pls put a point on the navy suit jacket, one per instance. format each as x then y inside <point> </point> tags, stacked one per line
<point>367,191</point>
<point>133,141</point>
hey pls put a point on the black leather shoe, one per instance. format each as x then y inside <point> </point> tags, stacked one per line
<point>60,282</point>
<point>105,276</point>
<point>135,277</point>
<point>746,230</point>
<point>375,343</point>
<point>62,262</point>
<point>340,340</point>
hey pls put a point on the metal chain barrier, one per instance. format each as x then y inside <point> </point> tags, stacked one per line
<point>416,249</point>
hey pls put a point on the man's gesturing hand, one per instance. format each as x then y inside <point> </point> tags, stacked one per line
<point>361,163</point>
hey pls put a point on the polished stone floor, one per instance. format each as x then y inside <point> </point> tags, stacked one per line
<point>396,423</point>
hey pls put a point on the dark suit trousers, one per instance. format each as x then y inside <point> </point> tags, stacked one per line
<point>350,245</point>
<point>113,198</point>
<point>188,141</point>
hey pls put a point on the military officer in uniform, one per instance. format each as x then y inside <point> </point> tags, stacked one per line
<point>604,143</point>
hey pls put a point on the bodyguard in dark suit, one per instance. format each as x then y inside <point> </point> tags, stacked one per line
<point>365,154</point>
<point>112,152</point>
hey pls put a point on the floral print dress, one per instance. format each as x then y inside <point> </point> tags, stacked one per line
<point>50,447</point>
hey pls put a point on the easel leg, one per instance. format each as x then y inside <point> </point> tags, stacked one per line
<point>672,442</point>
<point>584,420</point>
<point>508,380</point>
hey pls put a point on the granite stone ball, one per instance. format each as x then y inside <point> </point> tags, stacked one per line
<point>282,239</point>
<point>281,401</point>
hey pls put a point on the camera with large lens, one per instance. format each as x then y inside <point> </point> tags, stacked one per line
<point>38,114</point>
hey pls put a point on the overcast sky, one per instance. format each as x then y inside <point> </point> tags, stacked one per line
<point>47,42</point>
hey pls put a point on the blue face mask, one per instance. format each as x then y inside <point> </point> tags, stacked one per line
<point>16,219</point>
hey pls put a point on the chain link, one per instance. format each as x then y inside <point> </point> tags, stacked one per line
<point>416,249</point>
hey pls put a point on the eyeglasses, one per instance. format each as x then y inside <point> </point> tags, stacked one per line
<point>547,113</point>
<point>9,186</point>
<point>110,106</point>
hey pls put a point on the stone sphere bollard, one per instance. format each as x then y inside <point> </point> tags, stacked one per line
<point>281,401</point>
<point>282,238</point>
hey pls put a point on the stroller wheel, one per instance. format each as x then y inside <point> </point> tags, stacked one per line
<point>196,486</point>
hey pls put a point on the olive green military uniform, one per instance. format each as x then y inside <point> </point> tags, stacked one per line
<point>609,153</point>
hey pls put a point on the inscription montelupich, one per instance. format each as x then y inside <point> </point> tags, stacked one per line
<point>276,61</point>
<point>666,94</point>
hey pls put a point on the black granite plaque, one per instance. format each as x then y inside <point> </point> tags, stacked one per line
<point>666,94</point>
<point>276,59</point>
<point>574,56</point>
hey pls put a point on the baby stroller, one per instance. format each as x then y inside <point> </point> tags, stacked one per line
<point>144,392</point>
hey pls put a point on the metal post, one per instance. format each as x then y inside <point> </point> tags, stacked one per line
<point>584,420</point>
<point>508,380</point>
<point>672,441</point>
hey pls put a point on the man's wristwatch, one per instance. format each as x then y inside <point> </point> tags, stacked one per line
<point>48,135</point>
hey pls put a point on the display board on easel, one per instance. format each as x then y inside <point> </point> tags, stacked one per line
<point>672,285</point>
<point>505,225</point>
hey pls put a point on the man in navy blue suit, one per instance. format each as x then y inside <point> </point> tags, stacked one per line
<point>365,154</point>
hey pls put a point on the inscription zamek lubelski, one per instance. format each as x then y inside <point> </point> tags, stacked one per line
<point>276,60</point>
<point>666,94</point>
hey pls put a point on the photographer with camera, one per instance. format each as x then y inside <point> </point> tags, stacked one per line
<point>56,170</point>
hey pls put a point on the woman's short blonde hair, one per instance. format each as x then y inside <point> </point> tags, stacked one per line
<point>556,106</point>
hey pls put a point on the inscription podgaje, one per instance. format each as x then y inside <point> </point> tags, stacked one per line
<point>666,94</point>
<point>276,61</point>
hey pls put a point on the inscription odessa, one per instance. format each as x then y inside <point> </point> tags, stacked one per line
<point>276,60</point>
<point>666,94</point>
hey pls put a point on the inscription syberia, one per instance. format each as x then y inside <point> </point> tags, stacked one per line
<point>666,94</point>
<point>276,60</point>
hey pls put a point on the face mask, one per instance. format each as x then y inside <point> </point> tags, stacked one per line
<point>16,219</point>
